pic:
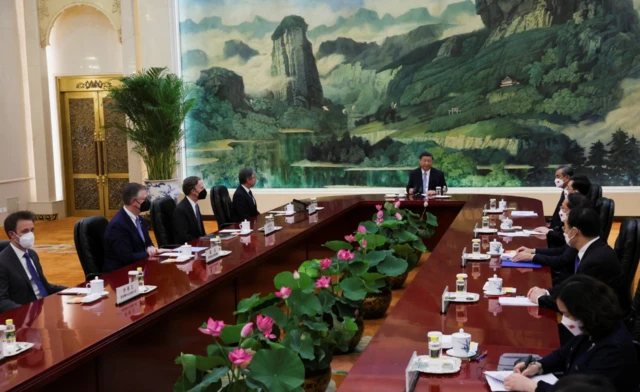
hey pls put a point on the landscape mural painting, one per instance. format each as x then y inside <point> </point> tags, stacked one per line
<point>346,93</point>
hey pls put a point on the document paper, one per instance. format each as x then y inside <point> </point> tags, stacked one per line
<point>516,301</point>
<point>496,379</point>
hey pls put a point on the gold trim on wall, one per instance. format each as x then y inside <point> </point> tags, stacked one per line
<point>87,83</point>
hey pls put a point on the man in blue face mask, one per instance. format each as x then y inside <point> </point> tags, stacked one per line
<point>126,239</point>
<point>21,277</point>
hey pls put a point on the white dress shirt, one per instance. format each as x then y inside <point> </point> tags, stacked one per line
<point>425,187</point>
<point>134,218</point>
<point>193,205</point>
<point>583,250</point>
<point>250,194</point>
<point>23,261</point>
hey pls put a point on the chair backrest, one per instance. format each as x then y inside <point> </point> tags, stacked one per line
<point>162,220</point>
<point>595,193</point>
<point>606,208</point>
<point>634,318</point>
<point>221,204</point>
<point>628,250</point>
<point>88,235</point>
<point>4,244</point>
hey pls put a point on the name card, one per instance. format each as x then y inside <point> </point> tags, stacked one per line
<point>126,292</point>
<point>313,208</point>
<point>212,253</point>
<point>269,227</point>
<point>411,373</point>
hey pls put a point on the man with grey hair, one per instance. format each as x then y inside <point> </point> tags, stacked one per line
<point>244,204</point>
<point>563,176</point>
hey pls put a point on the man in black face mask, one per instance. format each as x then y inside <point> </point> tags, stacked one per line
<point>126,239</point>
<point>187,220</point>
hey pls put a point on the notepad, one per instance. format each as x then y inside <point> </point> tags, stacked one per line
<point>513,234</point>
<point>523,214</point>
<point>230,231</point>
<point>516,301</point>
<point>511,264</point>
<point>495,379</point>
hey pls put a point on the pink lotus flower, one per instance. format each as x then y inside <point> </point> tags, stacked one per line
<point>397,204</point>
<point>378,207</point>
<point>246,330</point>
<point>214,328</point>
<point>323,282</point>
<point>296,275</point>
<point>356,313</point>
<point>398,216</point>
<point>378,221</point>
<point>284,292</point>
<point>362,229</point>
<point>426,204</point>
<point>264,323</point>
<point>349,238</point>
<point>268,334</point>
<point>326,263</point>
<point>363,243</point>
<point>239,356</point>
<point>345,255</point>
<point>380,214</point>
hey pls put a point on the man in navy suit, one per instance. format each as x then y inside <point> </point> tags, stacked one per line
<point>187,220</point>
<point>126,239</point>
<point>425,174</point>
<point>21,277</point>
<point>244,204</point>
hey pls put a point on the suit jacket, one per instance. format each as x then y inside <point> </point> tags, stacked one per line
<point>436,178</point>
<point>561,260</point>
<point>15,286</point>
<point>243,205</point>
<point>186,226</point>
<point>599,262</point>
<point>555,218</point>
<point>613,357</point>
<point>122,242</point>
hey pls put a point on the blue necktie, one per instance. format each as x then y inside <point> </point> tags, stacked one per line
<point>139,226</point>
<point>35,276</point>
<point>425,183</point>
<point>575,271</point>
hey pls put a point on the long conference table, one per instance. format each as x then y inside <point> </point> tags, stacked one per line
<point>132,347</point>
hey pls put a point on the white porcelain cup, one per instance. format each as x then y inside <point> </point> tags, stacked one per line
<point>185,250</point>
<point>245,226</point>
<point>502,204</point>
<point>495,246</point>
<point>493,285</point>
<point>96,286</point>
<point>461,342</point>
<point>507,224</point>
<point>289,208</point>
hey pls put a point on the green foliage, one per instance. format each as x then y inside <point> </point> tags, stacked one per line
<point>566,103</point>
<point>156,104</point>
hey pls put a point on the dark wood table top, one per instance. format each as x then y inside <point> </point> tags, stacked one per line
<point>65,335</point>
<point>497,329</point>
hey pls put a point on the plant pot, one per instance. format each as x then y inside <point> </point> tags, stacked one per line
<point>398,281</point>
<point>376,304</point>
<point>316,380</point>
<point>163,188</point>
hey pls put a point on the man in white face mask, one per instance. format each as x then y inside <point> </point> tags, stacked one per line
<point>21,277</point>
<point>563,176</point>
<point>595,258</point>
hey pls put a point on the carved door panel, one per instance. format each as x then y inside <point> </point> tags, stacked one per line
<point>95,152</point>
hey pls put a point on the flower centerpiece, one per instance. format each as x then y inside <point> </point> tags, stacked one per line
<point>241,358</point>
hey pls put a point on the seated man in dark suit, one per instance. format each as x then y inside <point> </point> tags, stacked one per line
<point>595,258</point>
<point>563,176</point>
<point>425,179</point>
<point>244,204</point>
<point>578,184</point>
<point>126,239</point>
<point>21,277</point>
<point>187,221</point>
<point>560,259</point>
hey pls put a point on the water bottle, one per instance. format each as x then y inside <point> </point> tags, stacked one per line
<point>10,336</point>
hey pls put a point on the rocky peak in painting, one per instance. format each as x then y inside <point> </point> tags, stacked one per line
<point>292,61</point>
<point>225,84</point>
<point>508,17</point>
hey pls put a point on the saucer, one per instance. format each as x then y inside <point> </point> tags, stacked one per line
<point>476,256</point>
<point>469,354</point>
<point>245,232</point>
<point>481,230</point>
<point>147,289</point>
<point>494,254</point>
<point>493,211</point>
<point>488,294</point>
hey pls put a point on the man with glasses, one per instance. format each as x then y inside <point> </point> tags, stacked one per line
<point>126,238</point>
<point>244,204</point>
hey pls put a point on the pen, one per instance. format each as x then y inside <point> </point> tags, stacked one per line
<point>528,362</point>
<point>481,356</point>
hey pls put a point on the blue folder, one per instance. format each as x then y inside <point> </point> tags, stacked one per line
<point>508,264</point>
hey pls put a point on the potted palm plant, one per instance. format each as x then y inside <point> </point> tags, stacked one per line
<point>156,103</point>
